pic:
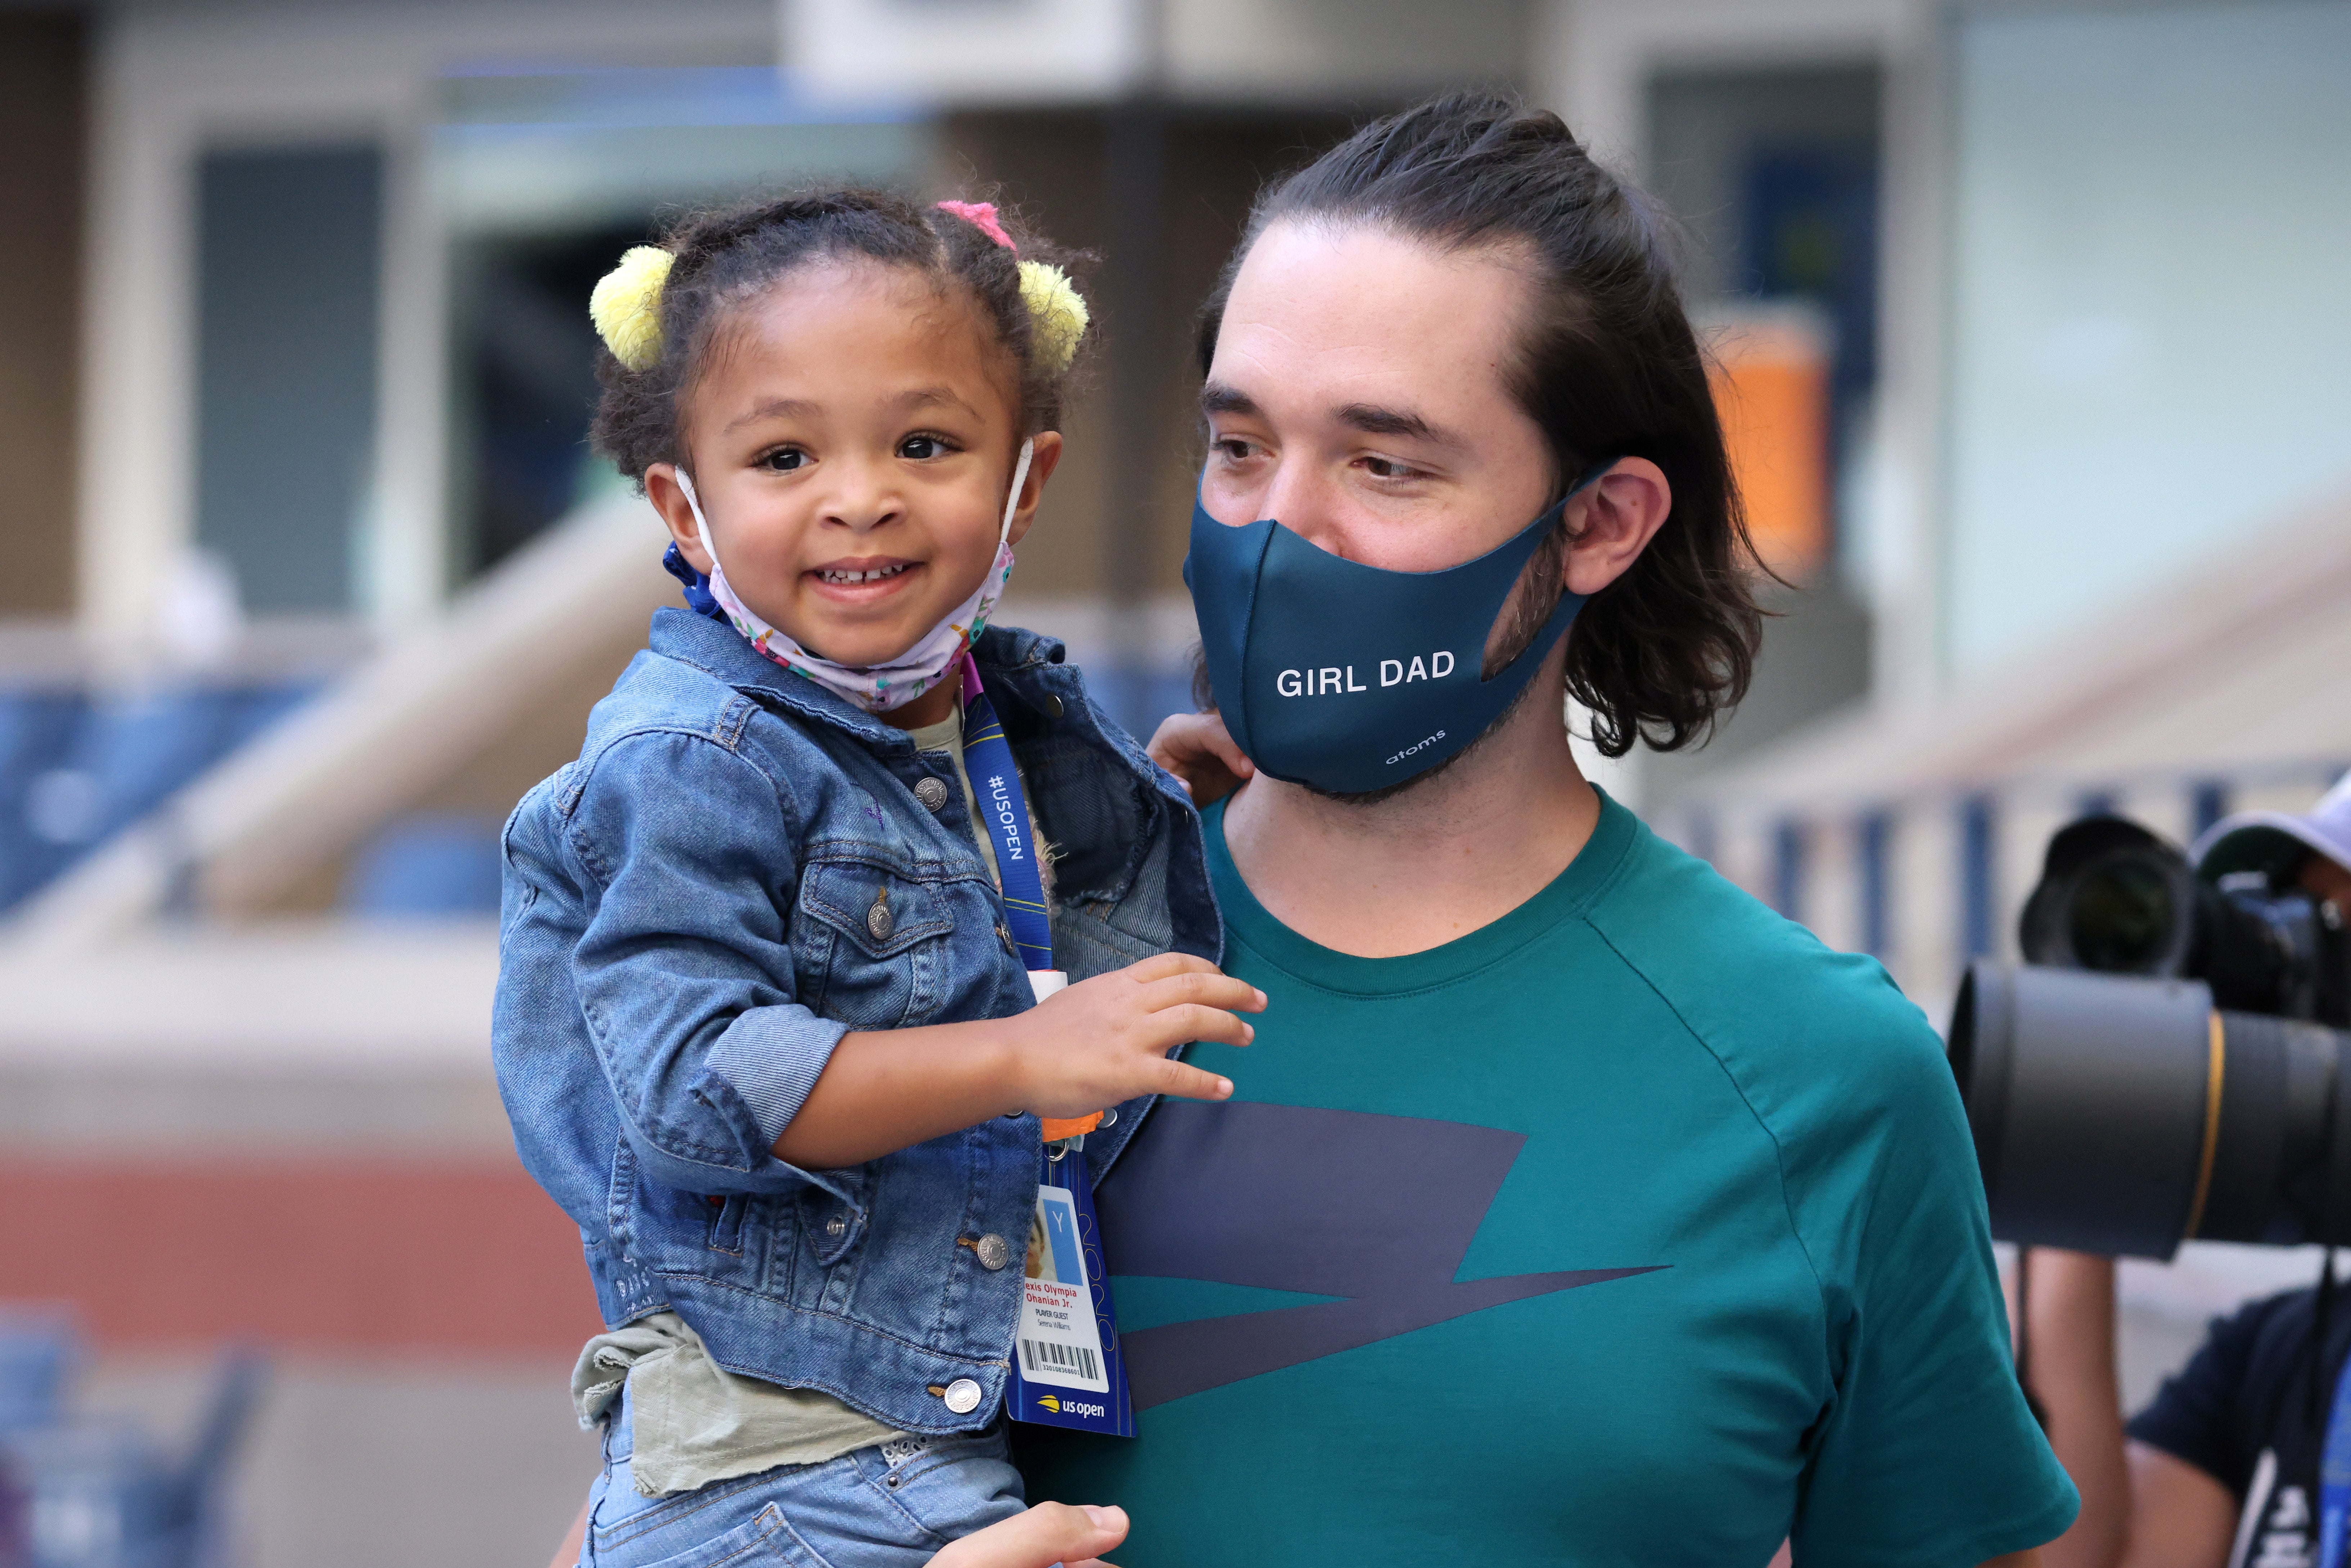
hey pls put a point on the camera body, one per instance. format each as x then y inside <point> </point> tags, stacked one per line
<point>2116,899</point>
<point>2171,1064</point>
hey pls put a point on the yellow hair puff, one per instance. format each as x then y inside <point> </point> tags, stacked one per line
<point>626,306</point>
<point>1057,314</point>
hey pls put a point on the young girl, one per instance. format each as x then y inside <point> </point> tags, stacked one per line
<point>765,1023</point>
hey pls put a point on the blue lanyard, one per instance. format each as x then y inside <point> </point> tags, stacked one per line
<point>2335,1472</point>
<point>996,786</point>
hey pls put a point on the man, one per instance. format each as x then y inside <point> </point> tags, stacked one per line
<point>1572,1206</point>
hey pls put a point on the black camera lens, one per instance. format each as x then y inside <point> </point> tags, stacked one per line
<point>2125,913</point>
<point>2123,1117</point>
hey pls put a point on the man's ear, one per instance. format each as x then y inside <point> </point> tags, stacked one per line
<point>1044,457</point>
<point>1612,521</point>
<point>663,490</point>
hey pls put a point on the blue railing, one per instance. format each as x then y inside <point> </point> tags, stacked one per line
<point>1782,855</point>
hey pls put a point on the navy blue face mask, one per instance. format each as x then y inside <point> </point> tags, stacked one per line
<point>1348,677</point>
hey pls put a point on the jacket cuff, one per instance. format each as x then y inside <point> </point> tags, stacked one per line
<point>770,1057</point>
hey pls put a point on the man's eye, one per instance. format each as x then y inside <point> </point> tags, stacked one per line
<point>1388,469</point>
<point>923,449</point>
<point>784,460</point>
<point>1232,449</point>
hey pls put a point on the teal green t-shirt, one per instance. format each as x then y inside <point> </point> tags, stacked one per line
<point>1636,1226</point>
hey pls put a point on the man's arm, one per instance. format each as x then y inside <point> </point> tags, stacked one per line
<point>2141,1508</point>
<point>2071,1349</point>
<point>2181,1517</point>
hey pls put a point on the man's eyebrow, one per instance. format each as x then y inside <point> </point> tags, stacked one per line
<point>1217,397</point>
<point>1373,419</point>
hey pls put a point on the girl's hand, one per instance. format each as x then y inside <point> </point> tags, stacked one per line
<point>1106,1040</point>
<point>1048,1533</point>
<point>1197,749</point>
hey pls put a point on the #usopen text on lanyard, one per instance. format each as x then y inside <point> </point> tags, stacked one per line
<point>1065,1366</point>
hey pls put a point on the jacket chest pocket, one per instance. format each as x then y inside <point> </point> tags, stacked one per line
<point>871,945</point>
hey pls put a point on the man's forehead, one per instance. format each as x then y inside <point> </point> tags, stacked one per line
<point>1366,317</point>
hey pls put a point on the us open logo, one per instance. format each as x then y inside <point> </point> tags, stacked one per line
<point>1074,1407</point>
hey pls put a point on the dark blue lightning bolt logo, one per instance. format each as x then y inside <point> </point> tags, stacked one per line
<point>1379,1210</point>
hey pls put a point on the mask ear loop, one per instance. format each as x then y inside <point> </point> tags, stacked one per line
<point>1003,533</point>
<point>1012,502</point>
<point>701,524</point>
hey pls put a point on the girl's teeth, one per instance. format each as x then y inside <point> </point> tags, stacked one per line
<point>874,576</point>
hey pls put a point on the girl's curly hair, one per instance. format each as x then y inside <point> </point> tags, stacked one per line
<point>726,258</point>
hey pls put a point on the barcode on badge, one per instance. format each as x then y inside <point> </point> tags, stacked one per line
<point>1040,1357</point>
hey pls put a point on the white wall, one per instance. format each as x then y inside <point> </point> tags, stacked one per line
<point>1593,61</point>
<point>172,81</point>
<point>2151,332</point>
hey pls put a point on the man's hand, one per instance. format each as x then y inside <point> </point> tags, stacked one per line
<point>1106,1040</point>
<point>1048,1533</point>
<point>1199,751</point>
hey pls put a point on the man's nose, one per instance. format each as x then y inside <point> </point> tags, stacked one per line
<point>1302,499</point>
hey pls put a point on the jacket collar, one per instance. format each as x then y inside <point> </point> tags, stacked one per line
<point>1008,658</point>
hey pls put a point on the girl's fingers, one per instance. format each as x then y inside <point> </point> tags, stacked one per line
<point>1190,1021</point>
<point>1186,1081</point>
<point>1209,988</point>
<point>1161,965</point>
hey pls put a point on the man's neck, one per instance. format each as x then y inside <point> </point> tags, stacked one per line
<point>1435,863</point>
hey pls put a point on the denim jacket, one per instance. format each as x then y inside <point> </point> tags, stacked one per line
<point>735,873</point>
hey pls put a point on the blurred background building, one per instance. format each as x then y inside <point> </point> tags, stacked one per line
<point>2031,342</point>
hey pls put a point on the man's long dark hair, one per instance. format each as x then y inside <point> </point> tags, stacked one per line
<point>1607,367</point>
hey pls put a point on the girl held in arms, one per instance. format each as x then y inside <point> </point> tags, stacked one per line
<point>780,1018</point>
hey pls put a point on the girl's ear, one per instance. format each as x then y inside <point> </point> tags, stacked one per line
<point>1613,521</point>
<point>1042,460</point>
<point>663,490</point>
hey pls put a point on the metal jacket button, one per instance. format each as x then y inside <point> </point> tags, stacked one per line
<point>835,1225</point>
<point>1005,937</point>
<point>932,791</point>
<point>877,919</point>
<point>1053,705</point>
<point>993,1253</point>
<point>963,1396</point>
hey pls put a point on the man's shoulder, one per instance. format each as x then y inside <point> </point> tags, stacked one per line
<point>1824,1048</point>
<point>1744,977</point>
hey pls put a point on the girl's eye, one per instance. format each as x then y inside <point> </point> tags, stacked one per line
<point>784,460</point>
<point>923,449</point>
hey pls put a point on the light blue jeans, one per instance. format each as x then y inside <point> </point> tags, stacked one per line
<point>886,1507</point>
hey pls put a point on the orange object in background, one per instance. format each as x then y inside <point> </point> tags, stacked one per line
<point>1771,379</point>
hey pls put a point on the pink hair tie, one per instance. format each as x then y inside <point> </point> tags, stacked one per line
<point>981,216</point>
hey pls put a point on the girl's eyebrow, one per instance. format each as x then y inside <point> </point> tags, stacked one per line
<point>930,397</point>
<point>774,408</point>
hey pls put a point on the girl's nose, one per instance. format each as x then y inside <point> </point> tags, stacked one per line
<point>863,497</point>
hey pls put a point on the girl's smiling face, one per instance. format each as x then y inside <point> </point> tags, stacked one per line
<point>852,434</point>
